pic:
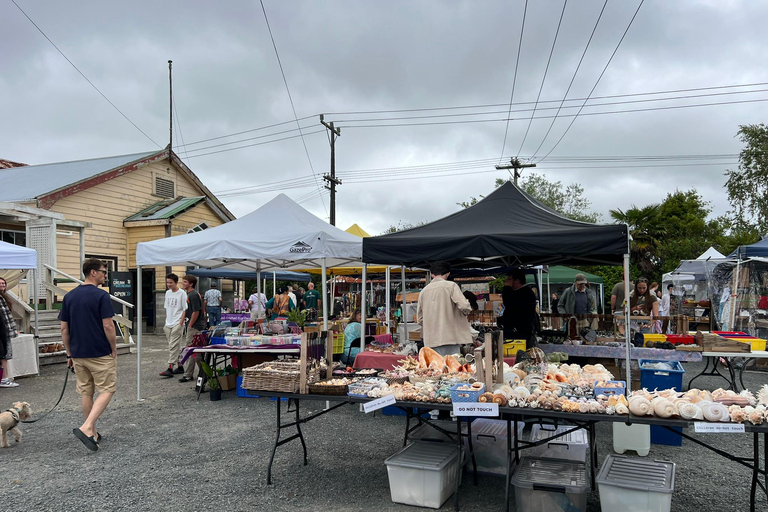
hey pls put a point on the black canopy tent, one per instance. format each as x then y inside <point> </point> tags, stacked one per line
<point>507,228</point>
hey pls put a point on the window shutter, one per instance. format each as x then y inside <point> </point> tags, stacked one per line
<point>164,188</point>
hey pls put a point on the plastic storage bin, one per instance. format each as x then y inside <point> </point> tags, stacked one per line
<point>489,442</point>
<point>681,339</point>
<point>573,446</point>
<point>632,437</point>
<point>512,346</point>
<point>636,485</point>
<point>549,485</point>
<point>654,338</point>
<point>423,474</point>
<point>662,379</point>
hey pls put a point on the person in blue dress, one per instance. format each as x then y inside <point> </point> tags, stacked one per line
<point>351,333</point>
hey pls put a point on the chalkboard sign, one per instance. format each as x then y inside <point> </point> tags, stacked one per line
<point>121,286</point>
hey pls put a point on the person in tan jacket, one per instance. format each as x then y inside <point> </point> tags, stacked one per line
<point>442,312</point>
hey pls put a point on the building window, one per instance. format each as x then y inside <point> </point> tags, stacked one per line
<point>14,237</point>
<point>164,188</point>
<point>109,261</point>
<point>200,227</point>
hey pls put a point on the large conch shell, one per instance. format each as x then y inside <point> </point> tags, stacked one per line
<point>522,392</point>
<point>714,411</point>
<point>641,406</point>
<point>690,411</point>
<point>429,358</point>
<point>452,364</point>
<point>621,409</point>
<point>663,408</point>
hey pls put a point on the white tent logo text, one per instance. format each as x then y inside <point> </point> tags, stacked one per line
<point>300,247</point>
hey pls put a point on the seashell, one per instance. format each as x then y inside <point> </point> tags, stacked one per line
<point>534,404</point>
<point>749,409</point>
<point>623,400</point>
<point>644,393</point>
<point>737,414</point>
<point>531,399</point>
<point>601,397</point>
<point>505,390</point>
<point>601,409</point>
<point>679,402</point>
<point>522,392</point>
<point>668,393</point>
<point>706,395</point>
<point>557,406</point>
<point>613,400</point>
<point>621,409</point>
<point>547,404</point>
<point>690,411</point>
<point>762,395</point>
<point>593,407</point>
<point>749,396</point>
<point>714,411</point>
<point>486,397</point>
<point>500,399</point>
<point>756,417</point>
<point>640,406</point>
<point>583,407</point>
<point>663,408</point>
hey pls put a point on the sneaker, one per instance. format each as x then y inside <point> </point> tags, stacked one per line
<point>178,370</point>
<point>167,373</point>
<point>185,379</point>
<point>8,383</point>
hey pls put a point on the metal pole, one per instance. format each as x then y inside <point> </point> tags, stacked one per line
<point>627,335</point>
<point>404,316</point>
<point>388,276</point>
<point>258,294</point>
<point>325,296</point>
<point>363,307</point>
<point>734,298</point>
<point>139,319</point>
<point>274,283</point>
<point>170,107</point>
<point>549,295</point>
<point>36,331</point>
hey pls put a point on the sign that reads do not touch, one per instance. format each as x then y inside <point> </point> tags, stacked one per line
<point>475,409</point>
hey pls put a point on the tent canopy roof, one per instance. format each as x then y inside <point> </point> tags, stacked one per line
<point>559,274</point>
<point>281,235</point>
<point>356,230</point>
<point>15,257</point>
<point>758,249</point>
<point>242,275</point>
<point>509,228</point>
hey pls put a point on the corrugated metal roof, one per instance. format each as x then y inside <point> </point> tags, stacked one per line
<point>166,209</point>
<point>31,181</point>
<point>7,164</point>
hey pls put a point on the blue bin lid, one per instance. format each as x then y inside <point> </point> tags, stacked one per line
<point>676,366</point>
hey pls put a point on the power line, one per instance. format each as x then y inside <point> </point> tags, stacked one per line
<point>82,74</point>
<point>544,78</point>
<point>245,140</point>
<point>597,82</point>
<point>514,79</point>
<point>290,98</point>
<point>573,78</point>
<point>178,125</point>
<point>256,144</point>
<point>251,130</point>
<point>671,107</point>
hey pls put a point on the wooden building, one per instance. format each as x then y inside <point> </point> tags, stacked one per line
<point>102,208</point>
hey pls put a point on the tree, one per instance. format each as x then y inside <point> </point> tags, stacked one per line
<point>402,226</point>
<point>748,186</point>
<point>646,234</point>
<point>686,231</point>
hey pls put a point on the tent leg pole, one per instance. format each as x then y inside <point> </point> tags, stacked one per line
<point>549,295</point>
<point>139,320</point>
<point>325,296</point>
<point>258,293</point>
<point>36,331</point>
<point>626,324</point>
<point>363,307</point>
<point>387,278</point>
<point>274,284</point>
<point>404,316</point>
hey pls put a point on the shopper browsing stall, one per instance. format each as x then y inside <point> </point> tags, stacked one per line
<point>442,312</point>
<point>352,332</point>
<point>578,300</point>
<point>643,303</point>
<point>519,318</point>
<point>175,304</point>
<point>281,304</point>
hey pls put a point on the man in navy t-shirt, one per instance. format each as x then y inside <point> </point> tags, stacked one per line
<point>89,338</point>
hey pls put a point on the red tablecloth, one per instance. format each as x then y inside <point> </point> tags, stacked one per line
<point>384,338</point>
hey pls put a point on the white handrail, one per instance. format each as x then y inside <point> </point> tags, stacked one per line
<point>78,281</point>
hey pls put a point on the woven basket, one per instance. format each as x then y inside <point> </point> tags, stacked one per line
<point>416,379</point>
<point>281,376</point>
<point>397,380</point>
<point>317,389</point>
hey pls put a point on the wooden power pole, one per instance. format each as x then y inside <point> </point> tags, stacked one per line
<point>331,178</point>
<point>170,100</point>
<point>515,164</point>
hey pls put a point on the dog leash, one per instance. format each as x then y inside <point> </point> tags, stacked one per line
<point>66,378</point>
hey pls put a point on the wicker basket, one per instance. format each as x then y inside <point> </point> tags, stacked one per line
<point>319,389</point>
<point>397,380</point>
<point>415,379</point>
<point>281,376</point>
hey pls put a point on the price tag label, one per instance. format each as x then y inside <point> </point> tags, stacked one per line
<point>718,428</point>
<point>475,409</point>
<point>379,403</point>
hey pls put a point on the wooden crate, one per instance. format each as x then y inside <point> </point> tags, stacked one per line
<point>714,343</point>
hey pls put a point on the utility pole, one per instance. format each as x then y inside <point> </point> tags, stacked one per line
<point>515,164</point>
<point>170,106</point>
<point>331,178</point>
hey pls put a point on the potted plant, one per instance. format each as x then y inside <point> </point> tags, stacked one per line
<point>298,317</point>
<point>213,381</point>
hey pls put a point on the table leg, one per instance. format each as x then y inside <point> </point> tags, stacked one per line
<point>507,475</point>
<point>298,428</point>
<point>741,371</point>
<point>703,372</point>
<point>593,452</point>
<point>755,469</point>
<point>274,447</point>
<point>460,467</point>
<point>471,448</point>
<point>407,426</point>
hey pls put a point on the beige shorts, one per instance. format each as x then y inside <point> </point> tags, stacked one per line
<point>99,373</point>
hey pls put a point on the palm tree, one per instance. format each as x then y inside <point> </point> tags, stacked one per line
<point>646,233</point>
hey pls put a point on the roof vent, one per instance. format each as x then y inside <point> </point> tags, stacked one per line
<point>164,188</point>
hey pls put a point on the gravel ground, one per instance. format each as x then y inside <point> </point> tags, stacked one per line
<point>171,452</point>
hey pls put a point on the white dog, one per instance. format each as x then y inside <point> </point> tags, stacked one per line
<point>11,418</point>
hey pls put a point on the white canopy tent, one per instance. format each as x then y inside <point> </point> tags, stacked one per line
<point>691,275</point>
<point>281,235</point>
<point>15,257</point>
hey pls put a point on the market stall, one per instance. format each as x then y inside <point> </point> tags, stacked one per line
<point>14,257</point>
<point>256,243</point>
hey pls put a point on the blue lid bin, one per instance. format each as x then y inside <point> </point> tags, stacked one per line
<point>658,378</point>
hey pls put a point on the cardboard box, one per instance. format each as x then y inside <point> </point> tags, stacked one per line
<point>494,297</point>
<point>228,382</point>
<point>488,305</point>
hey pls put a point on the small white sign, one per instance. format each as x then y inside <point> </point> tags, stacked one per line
<point>475,409</point>
<point>379,403</point>
<point>718,428</point>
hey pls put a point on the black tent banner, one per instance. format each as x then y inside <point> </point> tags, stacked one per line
<point>507,228</point>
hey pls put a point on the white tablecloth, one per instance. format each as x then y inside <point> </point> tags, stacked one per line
<point>24,360</point>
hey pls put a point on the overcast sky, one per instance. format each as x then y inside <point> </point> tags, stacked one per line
<point>367,56</point>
